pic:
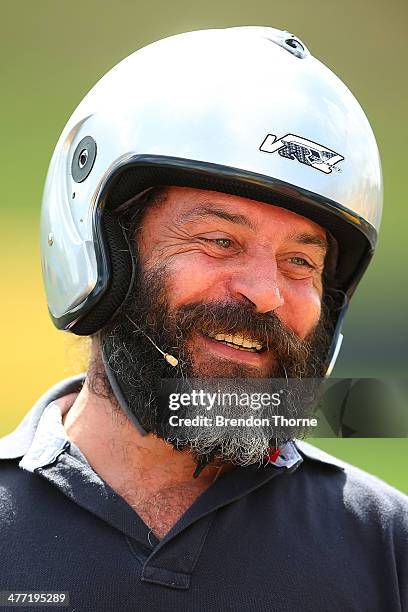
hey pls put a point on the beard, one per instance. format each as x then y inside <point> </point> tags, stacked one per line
<point>146,379</point>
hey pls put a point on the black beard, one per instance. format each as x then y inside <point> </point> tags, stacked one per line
<point>139,367</point>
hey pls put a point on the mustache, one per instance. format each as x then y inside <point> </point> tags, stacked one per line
<point>171,328</point>
<point>231,318</point>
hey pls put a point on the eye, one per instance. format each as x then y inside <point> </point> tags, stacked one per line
<point>225,243</point>
<point>300,261</point>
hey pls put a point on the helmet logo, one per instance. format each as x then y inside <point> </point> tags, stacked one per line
<point>305,151</point>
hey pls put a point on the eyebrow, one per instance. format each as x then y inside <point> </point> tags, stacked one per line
<point>204,211</point>
<point>313,239</point>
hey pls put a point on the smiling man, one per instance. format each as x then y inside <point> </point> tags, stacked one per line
<point>232,285</point>
<point>192,243</point>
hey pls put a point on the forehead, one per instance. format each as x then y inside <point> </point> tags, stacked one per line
<point>184,205</point>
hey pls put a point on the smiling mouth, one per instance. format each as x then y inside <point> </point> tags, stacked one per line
<point>237,341</point>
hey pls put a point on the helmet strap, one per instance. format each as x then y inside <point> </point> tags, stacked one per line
<point>120,395</point>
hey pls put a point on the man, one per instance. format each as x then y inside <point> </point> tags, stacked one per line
<point>191,243</point>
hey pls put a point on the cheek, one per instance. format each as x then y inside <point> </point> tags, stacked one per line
<point>193,278</point>
<point>302,308</point>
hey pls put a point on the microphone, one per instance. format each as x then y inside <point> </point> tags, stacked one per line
<point>169,358</point>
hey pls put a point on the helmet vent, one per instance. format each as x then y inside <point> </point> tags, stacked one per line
<point>289,42</point>
<point>296,47</point>
<point>83,159</point>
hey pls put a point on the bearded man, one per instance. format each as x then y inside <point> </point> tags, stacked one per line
<point>193,244</point>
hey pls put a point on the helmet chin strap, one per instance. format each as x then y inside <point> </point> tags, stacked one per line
<point>337,347</point>
<point>337,339</point>
<point>120,395</point>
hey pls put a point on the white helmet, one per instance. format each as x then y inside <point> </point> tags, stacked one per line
<point>245,111</point>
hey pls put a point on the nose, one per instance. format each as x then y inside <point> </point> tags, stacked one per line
<point>257,281</point>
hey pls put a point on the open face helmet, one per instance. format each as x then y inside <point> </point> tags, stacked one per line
<point>245,111</point>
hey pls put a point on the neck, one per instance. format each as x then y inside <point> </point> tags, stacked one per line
<point>137,467</point>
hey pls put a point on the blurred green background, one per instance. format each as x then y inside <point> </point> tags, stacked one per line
<point>52,52</point>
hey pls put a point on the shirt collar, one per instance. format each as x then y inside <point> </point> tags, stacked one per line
<point>17,443</point>
<point>49,441</point>
<point>312,453</point>
<point>40,437</point>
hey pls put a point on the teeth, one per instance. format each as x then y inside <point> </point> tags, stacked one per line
<point>239,348</point>
<point>237,341</point>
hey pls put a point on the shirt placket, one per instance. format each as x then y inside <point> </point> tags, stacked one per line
<point>172,560</point>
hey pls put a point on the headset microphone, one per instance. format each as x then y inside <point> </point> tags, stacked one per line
<point>169,358</point>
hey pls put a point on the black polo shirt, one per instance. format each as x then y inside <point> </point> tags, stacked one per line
<point>311,535</point>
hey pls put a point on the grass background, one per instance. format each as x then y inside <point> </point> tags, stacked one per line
<point>52,52</point>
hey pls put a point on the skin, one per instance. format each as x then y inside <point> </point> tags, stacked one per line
<point>217,247</point>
